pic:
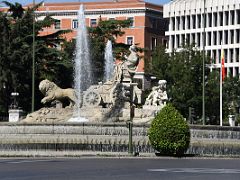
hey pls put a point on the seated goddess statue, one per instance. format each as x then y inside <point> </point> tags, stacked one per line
<point>132,59</point>
<point>123,69</point>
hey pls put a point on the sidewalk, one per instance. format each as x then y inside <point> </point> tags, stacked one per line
<point>96,154</point>
<point>49,153</point>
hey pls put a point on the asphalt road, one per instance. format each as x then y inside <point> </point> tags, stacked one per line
<point>120,169</point>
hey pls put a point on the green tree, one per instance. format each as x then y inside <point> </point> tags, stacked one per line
<point>99,35</point>
<point>16,54</point>
<point>212,98</point>
<point>160,63</point>
<point>183,72</point>
<point>169,133</point>
<point>4,63</point>
<point>231,96</point>
<point>16,9</point>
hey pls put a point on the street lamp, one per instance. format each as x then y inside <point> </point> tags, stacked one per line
<point>14,95</point>
<point>33,61</point>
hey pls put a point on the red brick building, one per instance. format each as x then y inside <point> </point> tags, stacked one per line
<point>147,29</point>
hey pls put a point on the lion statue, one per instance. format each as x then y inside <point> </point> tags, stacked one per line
<point>52,92</point>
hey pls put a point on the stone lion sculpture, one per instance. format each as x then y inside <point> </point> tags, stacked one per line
<point>52,92</point>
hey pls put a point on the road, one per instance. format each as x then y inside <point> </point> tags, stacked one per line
<point>119,169</point>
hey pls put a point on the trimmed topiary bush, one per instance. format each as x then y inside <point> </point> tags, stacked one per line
<point>169,132</point>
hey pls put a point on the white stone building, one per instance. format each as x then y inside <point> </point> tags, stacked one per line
<point>222,29</point>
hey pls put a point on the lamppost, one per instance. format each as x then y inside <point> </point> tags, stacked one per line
<point>203,63</point>
<point>128,96</point>
<point>33,61</point>
<point>15,104</point>
<point>130,123</point>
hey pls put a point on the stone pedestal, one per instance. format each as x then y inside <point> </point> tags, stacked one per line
<point>14,115</point>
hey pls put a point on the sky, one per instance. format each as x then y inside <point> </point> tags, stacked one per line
<point>30,1</point>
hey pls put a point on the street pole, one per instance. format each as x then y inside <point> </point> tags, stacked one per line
<point>130,123</point>
<point>33,62</point>
<point>203,63</point>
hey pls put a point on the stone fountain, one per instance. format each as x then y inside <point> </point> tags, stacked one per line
<point>103,102</point>
<point>109,61</point>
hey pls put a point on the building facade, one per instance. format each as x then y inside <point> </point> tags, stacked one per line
<point>146,31</point>
<point>222,27</point>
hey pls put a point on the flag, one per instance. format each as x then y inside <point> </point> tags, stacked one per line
<point>222,76</point>
<point>222,65</point>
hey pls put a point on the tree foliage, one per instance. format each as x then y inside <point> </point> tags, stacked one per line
<point>169,133</point>
<point>99,35</point>
<point>16,37</point>
<point>183,72</point>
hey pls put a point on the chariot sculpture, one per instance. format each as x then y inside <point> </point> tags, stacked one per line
<point>106,99</point>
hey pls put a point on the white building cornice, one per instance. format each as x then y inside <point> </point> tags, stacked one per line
<point>100,12</point>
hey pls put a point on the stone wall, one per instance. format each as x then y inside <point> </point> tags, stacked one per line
<point>111,137</point>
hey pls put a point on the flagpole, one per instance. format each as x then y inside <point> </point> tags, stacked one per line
<point>203,64</point>
<point>221,81</point>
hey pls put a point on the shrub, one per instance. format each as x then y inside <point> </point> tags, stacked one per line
<point>169,132</point>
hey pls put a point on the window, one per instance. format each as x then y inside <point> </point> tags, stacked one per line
<point>183,22</point>
<point>188,22</point>
<point>57,24</point>
<point>177,41</point>
<point>237,35</point>
<point>177,22</point>
<point>193,39</point>
<point>215,17</point>
<point>110,19</point>
<point>173,24</point>
<point>93,22</point>
<point>165,43</point>
<point>129,40</point>
<point>237,55</point>
<point>173,42</point>
<point>221,19</point>
<point>198,21</point>
<point>226,18</point>
<point>214,56</point>
<point>226,37</point>
<point>154,23</point>
<point>209,20</point>
<point>238,16</point>
<point>214,38</point>
<point>194,21</point>
<point>232,19</point>
<point>198,39</point>
<point>231,37</point>
<point>220,37</point>
<point>188,39</point>
<point>209,38</point>
<point>231,55</point>
<point>154,43</point>
<point>132,21</point>
<point>183,39</point>
<point>74,24</point>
